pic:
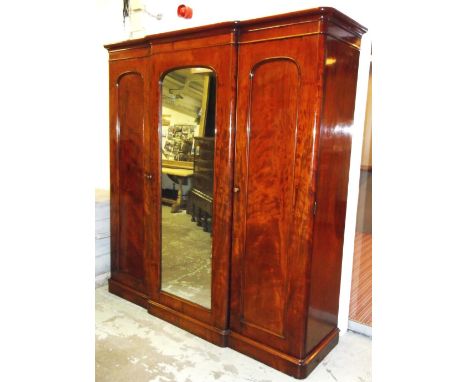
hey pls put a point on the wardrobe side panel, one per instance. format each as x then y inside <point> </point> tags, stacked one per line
<point>340,77</point>
<point>127,124</point>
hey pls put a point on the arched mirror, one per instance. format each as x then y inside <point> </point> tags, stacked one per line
<point>187,155</point>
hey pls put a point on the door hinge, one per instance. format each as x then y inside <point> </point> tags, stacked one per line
<point>314,209</point>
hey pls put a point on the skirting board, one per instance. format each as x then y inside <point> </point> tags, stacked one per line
<point>357,327</point>
<point>101,279</point>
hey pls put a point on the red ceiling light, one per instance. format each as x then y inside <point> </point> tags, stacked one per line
<point>184,11</point>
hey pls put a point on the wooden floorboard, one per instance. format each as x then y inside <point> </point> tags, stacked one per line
<point>360,309</point>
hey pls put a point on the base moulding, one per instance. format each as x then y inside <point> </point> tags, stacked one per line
<point>295,367</point>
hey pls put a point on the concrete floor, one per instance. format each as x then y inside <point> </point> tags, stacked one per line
<point>133,346</point>
<point>186,258</point>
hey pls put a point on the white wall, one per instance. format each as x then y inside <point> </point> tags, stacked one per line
<point>101,237</point>
<point>210,11</point>
<point>110,28</point>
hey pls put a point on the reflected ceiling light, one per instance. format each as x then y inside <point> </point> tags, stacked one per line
<point>200,70</point>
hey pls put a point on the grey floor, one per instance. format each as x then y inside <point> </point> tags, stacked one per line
<point>186,258</point>
<point>133,346</point>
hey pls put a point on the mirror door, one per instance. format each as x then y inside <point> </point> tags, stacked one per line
<point>187,116</point>
<point>189,209</point>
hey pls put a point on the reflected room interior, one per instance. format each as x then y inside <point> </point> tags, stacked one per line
<point>187,153</point>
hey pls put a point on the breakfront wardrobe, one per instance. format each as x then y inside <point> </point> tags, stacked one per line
<point>230,148</point>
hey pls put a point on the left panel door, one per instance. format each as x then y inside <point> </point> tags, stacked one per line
<point>128,140</point>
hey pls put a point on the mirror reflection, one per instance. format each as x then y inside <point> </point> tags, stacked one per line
<point>187,153</point>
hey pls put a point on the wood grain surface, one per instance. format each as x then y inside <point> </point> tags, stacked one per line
<point>360,306</point>
<point>127,138</point>
<point>222,60</point>
<point>285,98</point>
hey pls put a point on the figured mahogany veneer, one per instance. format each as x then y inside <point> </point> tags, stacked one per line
<point>128,163</point>
<point>200,199</point>
<point>285,98</point>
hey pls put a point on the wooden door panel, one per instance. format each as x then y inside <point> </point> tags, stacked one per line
<point>273,95</point>
<point>131,238</point>
<point>127,180</point>
<point>273,210</point>
<point>209,323</point>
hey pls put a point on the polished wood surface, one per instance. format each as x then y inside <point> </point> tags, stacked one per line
<point>286,262</point>
<point>269,189</point>
<point>182,172</point>
<point>360,305</point>
<point>190,37</point>
<point>311,22</point>
<point>330,21</point>
<point>203,165</point>
<point>200,199</point>
<point>130,157</point>
<point>273,209</point>
<point>180,175</point>
<point>297,367</point>
<point>285,91</point>
<point>127,138</point>
<point>334,149</point>
<point>222,60</point>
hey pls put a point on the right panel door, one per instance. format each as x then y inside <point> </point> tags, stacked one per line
<point>277,116</point>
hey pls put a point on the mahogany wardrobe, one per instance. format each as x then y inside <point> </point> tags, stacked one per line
<point>229,152</point>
